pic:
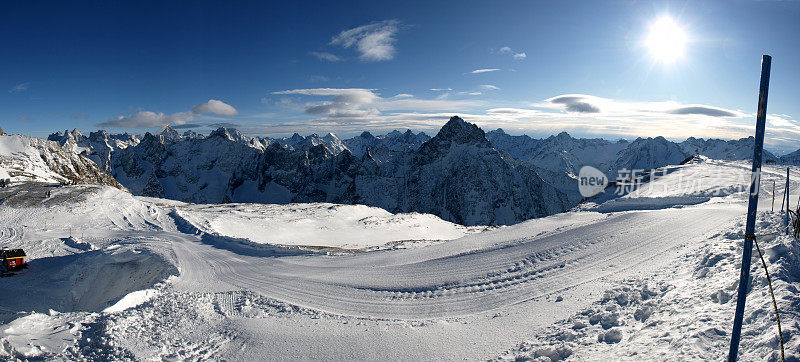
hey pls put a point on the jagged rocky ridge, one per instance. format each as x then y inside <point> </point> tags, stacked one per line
<point>24,158</point>
<point>564,153</point>
<point>456,175</point>
<point>461,174</point>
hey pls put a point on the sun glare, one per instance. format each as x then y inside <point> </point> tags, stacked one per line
<point>666,40</point>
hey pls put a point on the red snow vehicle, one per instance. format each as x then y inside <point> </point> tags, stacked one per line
<point>11,260</point>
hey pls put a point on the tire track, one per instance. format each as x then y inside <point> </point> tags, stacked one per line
<point>462,283</point>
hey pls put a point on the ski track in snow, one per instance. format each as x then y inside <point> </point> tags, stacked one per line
<point>453,283</point>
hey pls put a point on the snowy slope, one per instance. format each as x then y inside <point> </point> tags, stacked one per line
<point>586,285</point>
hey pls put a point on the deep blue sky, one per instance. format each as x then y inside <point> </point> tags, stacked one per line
<point>135,66</point>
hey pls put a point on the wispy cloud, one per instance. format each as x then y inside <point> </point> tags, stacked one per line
<point>441,89</point>
<point>327,56</point>
<point>703,110</point>
<point>579,114</point>
<point>20,87</point>
<point>347,104</point>
<point>188,125</point>
<point>374,42</point>
<point>490,87</point>
<point>582,103</point>
<point>574,104</point>
<point>223,124</point>
<point>477,71</point>
<point>515,55</point>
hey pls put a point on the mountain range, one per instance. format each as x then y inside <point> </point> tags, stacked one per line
<point>461,174</point>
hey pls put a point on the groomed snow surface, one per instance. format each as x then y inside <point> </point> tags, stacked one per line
<point>647,276</point>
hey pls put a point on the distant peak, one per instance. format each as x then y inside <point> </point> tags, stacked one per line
<point>500,131</point>
<point>366,134</point>
<point>169,133</point>
<point>460,131</point>
<point>456,120</point>
<point>220,132</point>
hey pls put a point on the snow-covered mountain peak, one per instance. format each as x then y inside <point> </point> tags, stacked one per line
<point>458,131</point>
<point>564,136</point>
<point>229,134</point>
<point>170,134</point>
<point>24,158</point>
<point>192,135</point>
<point>101,135</point>
<point>330,137</point>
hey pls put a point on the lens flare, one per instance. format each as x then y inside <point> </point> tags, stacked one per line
<point>666,40</point>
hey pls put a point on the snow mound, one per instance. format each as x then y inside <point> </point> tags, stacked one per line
<point>322,225</point>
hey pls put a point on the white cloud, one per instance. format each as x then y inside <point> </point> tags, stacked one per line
<point>20,87</point>
<point>515,55</point>
<point>477,71</point>
<point>148,119</point>
<point>441,89</point>
<point>327,56</point>
<point>374,42</point>
<point>214,106</point>
<point>490,87</point>
<point>404,95</point>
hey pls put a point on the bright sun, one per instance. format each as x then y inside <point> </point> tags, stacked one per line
<point>666,40</point>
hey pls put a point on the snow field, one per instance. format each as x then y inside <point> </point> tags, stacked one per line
<point>634,284</point>
<point>687,311</point>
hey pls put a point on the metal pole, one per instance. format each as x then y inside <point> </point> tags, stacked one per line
<point>783,200</point>
<point>750,227</point>
<point>786,215</point>
<point>773,195</point>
